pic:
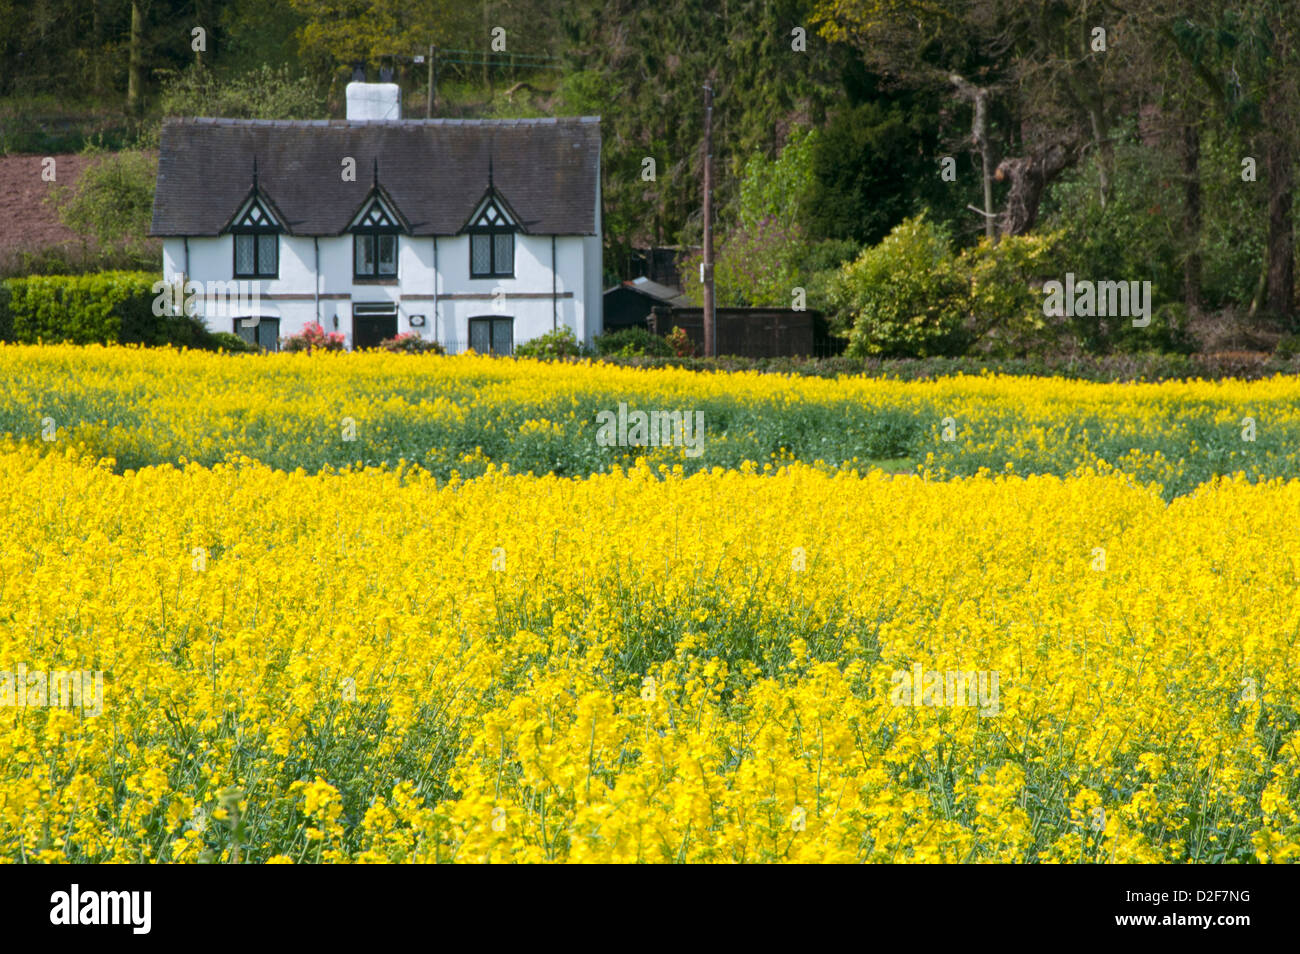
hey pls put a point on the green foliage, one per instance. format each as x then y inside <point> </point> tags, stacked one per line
<point>900,295</point>
<point>73,258</point>
<point>346,31</point>
<point>819,270</point>
<point>1288,347</point>
<point>1235,224</point>
<point>25,130</point>
<point>408,342</point>
<point>264,93</point>
<point>83,309</point>
<point>632,341</point>
<point>779,189</point>
<point>754,267</point>
<point>874,165</point>
<point>225,341</point>
<point>1001,307</point>
<point>257,32</point>
<point>828,255</point>
<point>645,81</point>
<point>583,93</point>
<point>141,326</point>
<point>761,259</point>
<point>1136,235</point>
<point>6,313</point>
<point>910,296</point>
<point>112,202</point>
<point>100,308</point>
<point>560,343</point>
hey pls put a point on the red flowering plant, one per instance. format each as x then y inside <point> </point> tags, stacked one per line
<point>408,342</point>
<point>680,342</point>
<point>314,338</point>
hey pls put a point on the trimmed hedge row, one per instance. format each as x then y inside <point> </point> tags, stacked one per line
<point>1151,366</point>
<point>99,308</point>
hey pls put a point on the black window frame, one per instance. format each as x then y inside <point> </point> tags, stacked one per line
<point>493,323</point>
<point>484,227</point>
<point>248,227</point>
<point>373,223</point>
<point>256,338</point>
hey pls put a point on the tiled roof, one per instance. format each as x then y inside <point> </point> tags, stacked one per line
<point>654,289</point>
<point>435,170</point>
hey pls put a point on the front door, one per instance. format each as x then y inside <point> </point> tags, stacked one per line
<point>372,324</point>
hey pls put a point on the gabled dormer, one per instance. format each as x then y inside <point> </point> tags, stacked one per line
<point>491,229</point>
<point>374,229</point>
<point>255,228</point>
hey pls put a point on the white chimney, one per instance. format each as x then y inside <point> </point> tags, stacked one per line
<point>374,101</point>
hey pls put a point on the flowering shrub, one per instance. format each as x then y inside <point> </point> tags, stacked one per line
<point>680,342</point>
<point>408,342</point>
<point>900,295</point>
<point>314,338</point>
<point>560,343</point>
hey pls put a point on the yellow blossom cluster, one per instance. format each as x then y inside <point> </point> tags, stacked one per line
<point>461,414</point>
<point>750,664</point>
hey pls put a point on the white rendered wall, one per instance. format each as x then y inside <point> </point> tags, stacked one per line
<point>291,296</point>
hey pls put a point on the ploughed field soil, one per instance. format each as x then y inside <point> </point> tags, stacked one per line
<point>27,221</point>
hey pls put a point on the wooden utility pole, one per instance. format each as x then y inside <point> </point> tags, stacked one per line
<point>706,269</point>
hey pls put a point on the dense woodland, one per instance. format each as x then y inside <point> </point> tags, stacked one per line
<point>1151,140</point>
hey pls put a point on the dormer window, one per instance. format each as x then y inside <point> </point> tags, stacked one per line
<point>491,242</point>
<point>374,242</point>
<point>257,242</point>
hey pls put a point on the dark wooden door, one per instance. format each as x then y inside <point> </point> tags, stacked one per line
<point>369,330</point>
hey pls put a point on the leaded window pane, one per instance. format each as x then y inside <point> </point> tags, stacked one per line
<point>480,335</point>
<point>268,334</point>
<point>505,253</point>
<point>480,255</point>
<point>387,254</point>
<point>267,252</point>
<point>246,330</point>
<point>503,336</point>
<point>243,254</point>
<point>365,254</point>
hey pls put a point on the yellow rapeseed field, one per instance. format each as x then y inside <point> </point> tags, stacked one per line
<point>148,406</point>
<point>646,665</point>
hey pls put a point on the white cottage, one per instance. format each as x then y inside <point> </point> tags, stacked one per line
<point>476,234</point>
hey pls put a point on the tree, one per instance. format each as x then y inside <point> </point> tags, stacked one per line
<point>642,69</point>
<point>135,58</point>
<point>342,32</point>
<point>757,265</point>
<point>1248,61</point>
<point>873,165</point>
<point>264,93</point>
<point>112,202</point>
<point>1044,63</point>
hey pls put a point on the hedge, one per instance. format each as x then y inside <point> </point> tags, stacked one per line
<point>103,308</point>
<point>1141,367</point>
